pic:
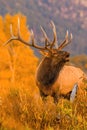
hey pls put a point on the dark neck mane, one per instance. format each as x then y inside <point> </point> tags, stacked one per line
<point>48,73</point>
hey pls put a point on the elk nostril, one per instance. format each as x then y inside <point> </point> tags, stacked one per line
<point>68,55</point>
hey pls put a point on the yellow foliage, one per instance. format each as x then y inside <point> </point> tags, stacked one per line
<point>17,63</point>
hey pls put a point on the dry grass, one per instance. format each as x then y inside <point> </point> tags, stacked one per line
<point>24,110</point>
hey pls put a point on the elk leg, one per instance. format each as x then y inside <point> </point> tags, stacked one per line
<point>43,96</point>
<point>56,97</point>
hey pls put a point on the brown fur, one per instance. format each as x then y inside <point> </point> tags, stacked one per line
<point>55,78</point>
<point>50,67</point>
<point>67,78</point>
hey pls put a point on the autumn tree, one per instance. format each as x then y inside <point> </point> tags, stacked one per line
<point>17,76</point>
<point>18,61</point>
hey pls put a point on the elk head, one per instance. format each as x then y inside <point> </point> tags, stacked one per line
<point>53,60</point>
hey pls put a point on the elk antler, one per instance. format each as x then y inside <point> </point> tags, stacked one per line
<point>54,42</point>
<point>51,44</point>
<point>48,45</point>
<point>19,38</point>
<point>66,41</point>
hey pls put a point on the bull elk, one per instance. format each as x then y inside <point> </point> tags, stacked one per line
<point>53,76</point>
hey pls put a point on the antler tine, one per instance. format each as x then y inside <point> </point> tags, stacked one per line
<point>66,41</point>
<point>11,31</point>
<point>19,38</point>
<point>36,46</point>
<point>46,37</point>
<point>12,36</point>
<point>71,36</point>
<point>54,42</point>
<point>32,38</point>
<point>19,27</point>
<point>62,44</point>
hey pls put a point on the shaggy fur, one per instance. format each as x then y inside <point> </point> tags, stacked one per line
<point>50,67</point>
<point>55,78</point>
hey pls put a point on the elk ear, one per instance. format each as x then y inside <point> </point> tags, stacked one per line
<point>44,53</point>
